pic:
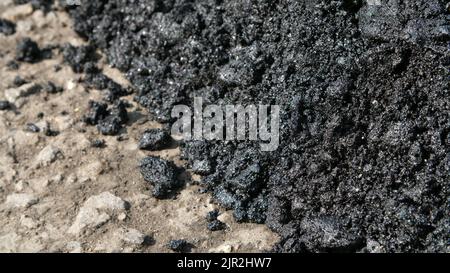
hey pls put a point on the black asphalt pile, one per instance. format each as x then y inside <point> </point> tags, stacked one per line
<point>363,163</point>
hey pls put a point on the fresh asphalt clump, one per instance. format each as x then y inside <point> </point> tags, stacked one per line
<point>212,215</point>
<point>7,27</point>
<point>28,51</point>
<point>109,120</point>
<point>19,81</point>
<point>5,105</point>
<point>364,91</point>
<point>213,223</point>
<point>78,57</point>
<point>51,88</point>
<point>179,245</point>
<point>100,81</point>
<point>98,143</point>
<point>154,140</point>
<point>97,111</point>
<point>162,174</point>
<point>216,225</point>
<point>13,65</point>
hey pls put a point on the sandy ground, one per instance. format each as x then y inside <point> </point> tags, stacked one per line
<point>60,194</point>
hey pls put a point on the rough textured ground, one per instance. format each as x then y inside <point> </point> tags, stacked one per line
<point>60,193</point>
<point>364,159</point>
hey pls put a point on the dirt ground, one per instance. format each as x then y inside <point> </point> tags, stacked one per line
<point>60,194</point>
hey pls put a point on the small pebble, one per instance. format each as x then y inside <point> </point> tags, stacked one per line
<point>4,105</point>
<point>31,127</point>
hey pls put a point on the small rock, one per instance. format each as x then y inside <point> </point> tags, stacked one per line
<point>74,247</point>
<point>71,85</point>
<point>28,222</point>
<point>132,236</point>
<point>20,200</point>
<point>90,171</point>
<point>13,94</point>
<point>122,217</point>
<point>106,200</point>
<point>39,184</point>
<point>15,13</point>
<point>225,248</point>
<point>48,155</point>
<point>94,211</point>
<point>225,217</point>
